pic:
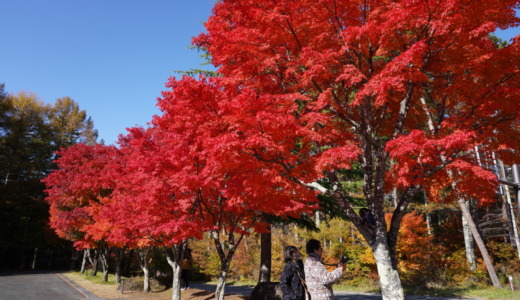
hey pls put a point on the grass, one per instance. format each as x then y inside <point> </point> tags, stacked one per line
<point>491,293</point>
<point>98,279</point>
<point>357,289</point>
<point>469,291</point>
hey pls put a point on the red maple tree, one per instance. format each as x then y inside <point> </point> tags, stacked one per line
<point>76,192</point>
<point>404,88</point>
<point>143,210</point>
<point>213,173</point>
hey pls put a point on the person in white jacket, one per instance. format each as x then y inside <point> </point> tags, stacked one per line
<point>318,279</point>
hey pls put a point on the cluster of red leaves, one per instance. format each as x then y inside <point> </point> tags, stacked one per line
<point>419,162</point>
<point>75,191</point>
<point>192,171</point>
<point>339,71</point>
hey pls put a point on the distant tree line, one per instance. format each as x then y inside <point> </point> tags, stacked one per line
<point>30,133</point>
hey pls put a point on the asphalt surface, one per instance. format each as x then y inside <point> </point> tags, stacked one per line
<point>40,286</point>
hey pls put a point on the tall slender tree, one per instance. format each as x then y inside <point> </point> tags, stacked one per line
<point>70,124</point>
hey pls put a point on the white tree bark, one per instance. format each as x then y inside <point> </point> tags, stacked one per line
<point>389,279</point>
<point>468,244</point>
<point>221,285</point>
<point>103,255</point>
<point>482,247</point>
<point>501,172</point>
<point>176,284</point>
<point>93,258</point>
<point>143,255</point>
<point>428,216</point>
<point>33,265</point>
<point>84,261</point>
<point>175,262</point>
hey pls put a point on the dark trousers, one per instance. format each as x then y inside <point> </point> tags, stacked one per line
<point>184,279</point>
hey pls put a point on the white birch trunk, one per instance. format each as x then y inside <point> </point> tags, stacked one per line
<point>394,195</point>
<point>221,286</point>
<point>502,175</point>
<point>480,243</point>
<point>389,279</point>
<point>176,284</point>
<point>103,255</point>
<point>33,265</point>
<point>118,262</point>
<point>146,283</point>
<point>469,245</point>
<point>84,261</point>
<point>428,216</point>
<point>175,262</point>
<point>93,261</point>
<point>142,255</point>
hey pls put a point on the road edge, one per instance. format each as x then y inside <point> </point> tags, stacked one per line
<point>88,295</point>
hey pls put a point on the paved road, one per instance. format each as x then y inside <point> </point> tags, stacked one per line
<point>53,286</point>
<point>40,286</point>
<point>246,291</point>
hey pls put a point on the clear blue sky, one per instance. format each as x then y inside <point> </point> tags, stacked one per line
<point>111,56</point>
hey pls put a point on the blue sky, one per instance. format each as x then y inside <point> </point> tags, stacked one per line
<point>111,56</point>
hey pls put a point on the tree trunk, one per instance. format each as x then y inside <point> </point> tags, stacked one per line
<point>516,179</point>
<point>84,262</point>
<point>33,265</point>
<point>428,215</point>
<point>142,255</point>
<point>510,209</point>
<point>174,260</point>
<point>389,279</point>
<point>225,259</point>
<point>221,285</point>
<point>468,243</point>
<point>119,254</point>
<point>476,235</point>
<point>381,242</point>
<point>93,258</point>
<point>103,255</point>
<point>265,256</point>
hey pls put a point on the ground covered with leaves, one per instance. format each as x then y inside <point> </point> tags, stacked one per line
<point>110,290</point>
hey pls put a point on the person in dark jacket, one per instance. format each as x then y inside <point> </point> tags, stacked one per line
<point>292,280</point>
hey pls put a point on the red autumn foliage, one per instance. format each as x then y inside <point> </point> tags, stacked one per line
<point>412,84</point>
<point>76,192</point>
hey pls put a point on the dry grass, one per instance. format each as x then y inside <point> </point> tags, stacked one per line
<point>109,291</point>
